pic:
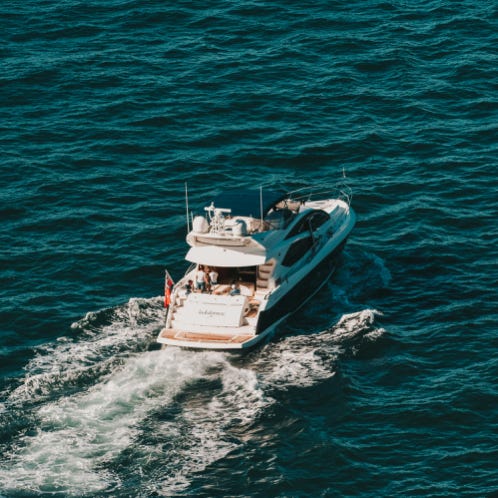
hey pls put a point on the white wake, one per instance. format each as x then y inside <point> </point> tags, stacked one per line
<point>79,434</point>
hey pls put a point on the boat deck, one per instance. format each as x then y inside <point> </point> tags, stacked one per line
<point>184,328</point>
<point>187,336</point>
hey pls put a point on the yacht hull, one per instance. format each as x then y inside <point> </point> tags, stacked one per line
<point>264,269</point>
<point>301,292</point>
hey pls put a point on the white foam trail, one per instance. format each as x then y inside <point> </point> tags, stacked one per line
<point>210,425</point>
<point>354,324</point>
<point>242,395</point>
<point>298,361</point>
<point>307,359</point>
<point>65,363</point>
<point>77,435</point>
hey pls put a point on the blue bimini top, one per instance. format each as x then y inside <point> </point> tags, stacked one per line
<point>248,202</point>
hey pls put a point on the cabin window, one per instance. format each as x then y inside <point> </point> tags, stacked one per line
<point>297,250</point>
<point>313,220</point>
<point>318,219</point>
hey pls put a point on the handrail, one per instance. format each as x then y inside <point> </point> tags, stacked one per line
<point>310,193</point>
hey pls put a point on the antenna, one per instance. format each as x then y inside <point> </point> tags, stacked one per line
<point>186,207</point>
<point>261,205</point>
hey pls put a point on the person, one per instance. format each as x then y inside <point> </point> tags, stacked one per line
<point>200,277</point>
<point>235,290</point>
<point>188,287</point>
<point>213,277</point>
<point>207,283</point>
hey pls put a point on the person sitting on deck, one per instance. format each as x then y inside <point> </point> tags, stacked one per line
<point>235,290</point>
<point>189,287</point>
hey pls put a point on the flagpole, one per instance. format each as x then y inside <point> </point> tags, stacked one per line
<point>168,285</point>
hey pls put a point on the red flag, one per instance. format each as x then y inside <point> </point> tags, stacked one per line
<point>168,285</point>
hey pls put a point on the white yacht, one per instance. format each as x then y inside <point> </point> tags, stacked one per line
<point>268,253</point>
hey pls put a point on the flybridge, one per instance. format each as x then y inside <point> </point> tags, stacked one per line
<point>231,225</point>
<point>225,241</point>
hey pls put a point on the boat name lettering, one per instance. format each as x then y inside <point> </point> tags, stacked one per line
<point>211,313</point>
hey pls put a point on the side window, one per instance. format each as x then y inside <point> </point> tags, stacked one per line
<point>315,219</point>
<point>297,250</point>
<point>301,226</point>
<point>318,219</point>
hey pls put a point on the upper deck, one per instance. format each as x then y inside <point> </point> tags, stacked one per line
<point>236,231</point>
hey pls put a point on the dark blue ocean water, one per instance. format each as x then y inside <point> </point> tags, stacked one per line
<point>386,384</point>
